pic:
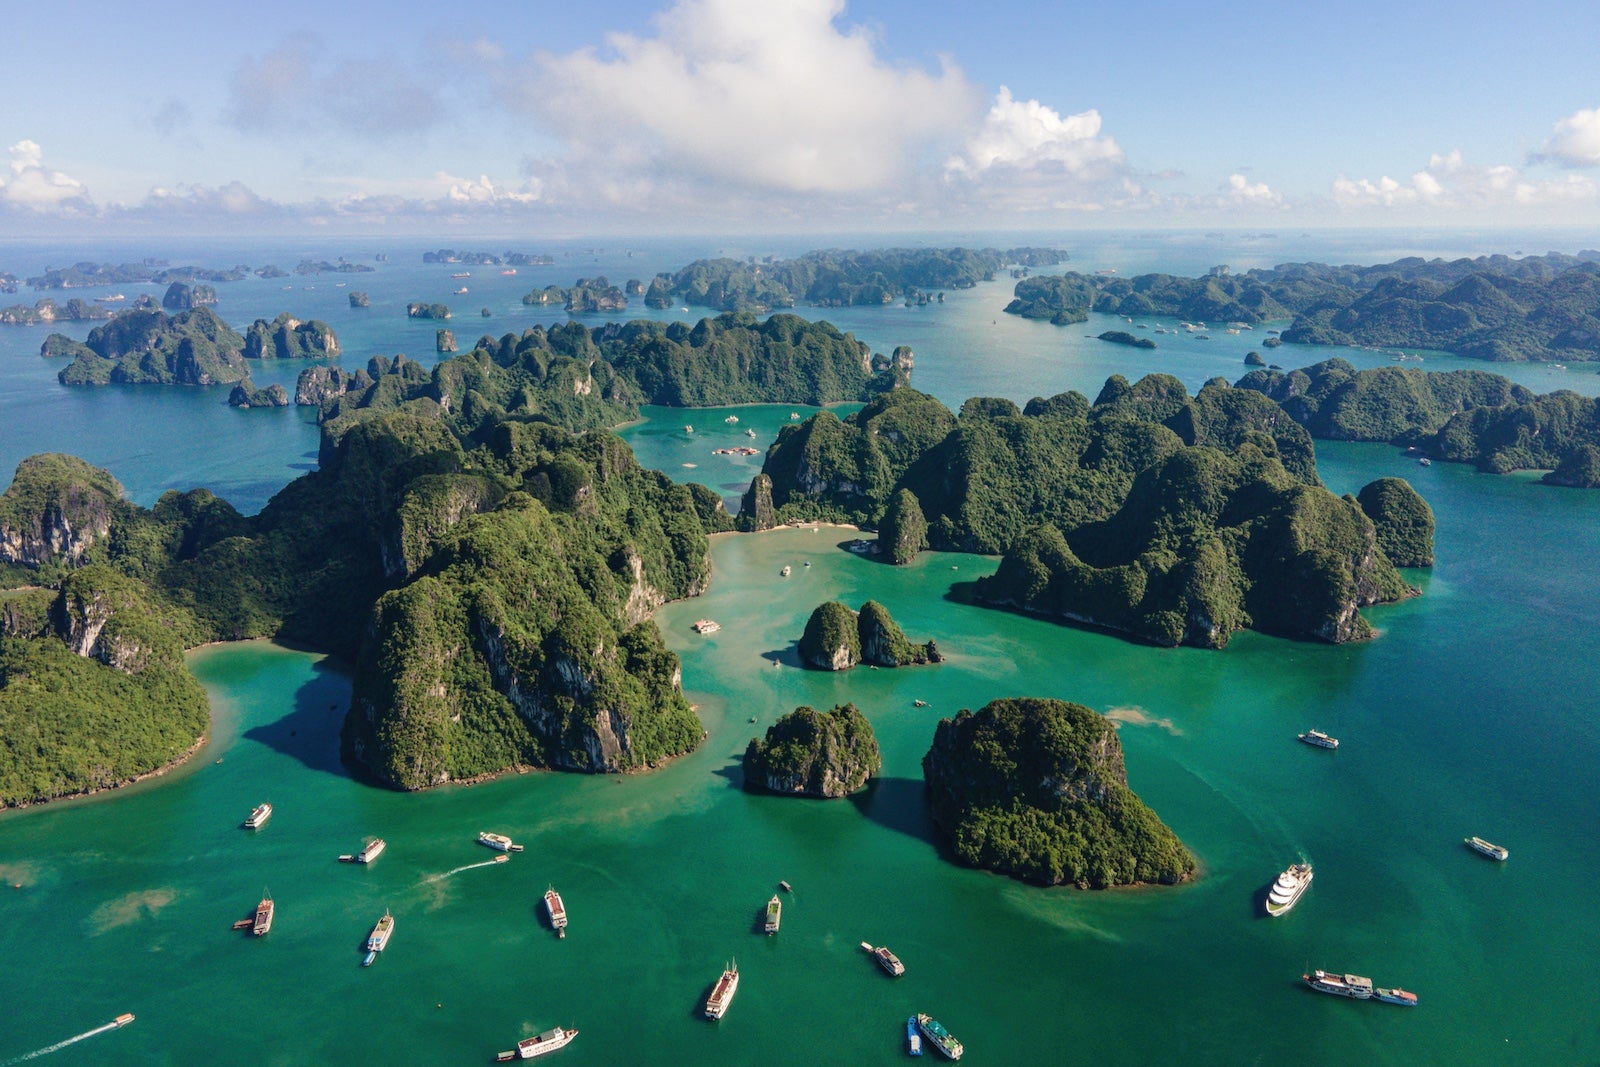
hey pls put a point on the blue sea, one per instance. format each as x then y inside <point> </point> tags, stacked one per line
<point>1472,713</point>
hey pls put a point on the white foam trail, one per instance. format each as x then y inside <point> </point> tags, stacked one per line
<point>59,1045</point>
<point>446,874</point>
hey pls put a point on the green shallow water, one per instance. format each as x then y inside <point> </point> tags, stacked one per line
<point>1470,715</point>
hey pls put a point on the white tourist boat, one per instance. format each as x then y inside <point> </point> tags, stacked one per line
<point>1289,887</point>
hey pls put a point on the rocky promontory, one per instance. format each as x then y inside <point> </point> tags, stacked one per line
<point>1037,789</point>
<point>836,639</point>
<point>814,754</point>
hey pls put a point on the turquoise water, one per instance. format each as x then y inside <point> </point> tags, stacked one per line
<point>1472,713</point>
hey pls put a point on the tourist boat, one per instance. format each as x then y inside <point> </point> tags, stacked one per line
<point>556,910</point>
<point>1494,852</point>
<point>1289,887</point>
<point>114,298</point>
<point>369,852</point>
<point>722,993</point>
<point>1425,461</point>
<point>774,914</point>
<point>731,420</point>
<point>942,1039</point>
<point>462,274</point>
<point>794,416</point>
<point>786,887</point>
<point>263,920</point>
<point>749,433</point>
<point>1320,739</point>
<point>886,959</point>
<point>529,1047</point>
<point>258,817</point>
<point>913,1039</point>
<point>785,571</point>
<point>688,429</point>
<point>461,290</point>
<point>706,626</point>
<point>498,841</point>
<point>1341,985</point>
<point>1396,996</point>
<point>509,273</point>
<point>378,940</point>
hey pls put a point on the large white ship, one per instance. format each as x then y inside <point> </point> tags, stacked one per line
<point>1289,887</point>
<point>529,1047</point>
<point>722,993</point>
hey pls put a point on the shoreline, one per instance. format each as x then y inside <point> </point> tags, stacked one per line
<point>159,772</point>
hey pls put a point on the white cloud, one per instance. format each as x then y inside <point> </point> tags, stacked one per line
<point>1242,192</point>
<point>233,199</point>
<point>773,97</point>
<point>1450,182</point>
<point>1029,135</point>
<point>483,191</point>
<point>295,88</point>
<point>35,187</point>
<point>1575,141</point>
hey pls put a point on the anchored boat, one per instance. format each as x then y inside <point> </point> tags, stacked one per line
<point>886,959</point>
<point>499,842</point>
<point>258,817</point>
<point>1494,852</point>
<point>774,914</point>
<point>722,993</point>
<point>1340,985</point>
<point>263,920</point>
<point>941,1038</point>
<point>369,852</point>
<point>529,1047</point>
<point>1319,739</point>
<point>556,910</point>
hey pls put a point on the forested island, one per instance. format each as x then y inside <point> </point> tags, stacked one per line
<point>1171,519</point>
<point>45,311</point>
<point>1492,307</point>
<point>825,754</point>
<point>1037,789</point>
<point>586,295</point>
<point>835,278</point>
<point>837,639</point>
<point>588,378</point>
<point>1460,416</point>
<point>146,346</point>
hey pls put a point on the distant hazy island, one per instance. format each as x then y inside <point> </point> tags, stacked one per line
<point>1172,519</point>
<point>1037,789</point>
<point>1462,416</point>
<point>488,259</point>
<point>586,295</point>
<point>1493,307</point>
<point>146,346</point>
<point>835,278</point>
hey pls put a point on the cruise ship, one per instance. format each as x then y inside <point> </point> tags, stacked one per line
<point>1287,890</point>
<point>774,914</point>
<point>940,1038</point>
<point>1494,852</point>
<point>258,817</point>
<point>1341,985</point>
<point>1320,739</point>
<point>556,910</point>
<point>529,1047</point>
<point>369,852</point>
<point>499,842</point>
<point>263,919</point>
<point>722,993</point>
<point>886,959</point>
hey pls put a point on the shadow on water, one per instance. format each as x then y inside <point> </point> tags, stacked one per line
<point>897,804</point>
<point>310,733</point>
<point>733,771</point>
<point>789,655</point>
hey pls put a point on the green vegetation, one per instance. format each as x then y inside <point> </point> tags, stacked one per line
<point>1461,416</point>
<point>586,295</point>
<point>1122,337</point>
<point>45,311</point>
<point>1037,789</point>
<point>835,278</point>
<point>93,688</point>
<point>903,531</point>
<point>246,395</point>
<point>181,296</point>
<point>1169,518</point>
<point>1403,520</point>
<point>153,271</point>
<point>812,753</point>
<point>419,310</point>
<point>831,641</point>
<point>1492,307</point>
<point>148,347</point>
<point>837,639</point>
<point>359,300</point>
<point>287,337</point>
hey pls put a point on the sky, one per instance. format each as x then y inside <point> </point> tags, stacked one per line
<point>793,116</point>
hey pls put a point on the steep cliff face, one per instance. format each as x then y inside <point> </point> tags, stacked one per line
<point>815,754</point>
<point>831,641</point>
<point>56,509</point>
<point>1037,789</point>
<point>287,337</point>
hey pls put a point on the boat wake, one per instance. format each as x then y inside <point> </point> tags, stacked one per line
<point>458,870</point>
<point>59,1045</point>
